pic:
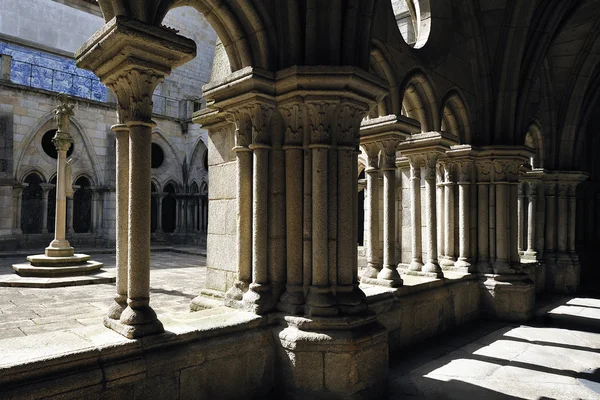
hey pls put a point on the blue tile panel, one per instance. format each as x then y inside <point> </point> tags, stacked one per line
<point>47,71</point>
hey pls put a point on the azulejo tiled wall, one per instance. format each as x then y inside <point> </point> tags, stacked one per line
<point>47,71</point>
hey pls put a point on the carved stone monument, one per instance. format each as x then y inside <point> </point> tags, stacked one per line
<point>59,258</point>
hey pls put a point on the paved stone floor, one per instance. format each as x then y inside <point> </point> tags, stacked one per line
<point>175,279</point>
<point>555,357</point>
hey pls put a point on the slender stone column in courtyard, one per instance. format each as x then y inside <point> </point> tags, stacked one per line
<point>132,58</point>
<point>59,257</point>
<point>416,263</point>
<point>383,135</point>
<point>425,149</point>
<point>70,214</point>
<point>448,260</point>
<point>531,214</point>
<point>372,172</point>
<point>159,201</point>
<point>122,224</point>
<point>17,201</point>
<point>464,183</point>
<point>46,187</point>
<point>521,217</point>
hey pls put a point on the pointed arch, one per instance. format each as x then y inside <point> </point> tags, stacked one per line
<point>534,139</point>
<point>419,100</point>
<point>382,67</point>
<point>455,116</point>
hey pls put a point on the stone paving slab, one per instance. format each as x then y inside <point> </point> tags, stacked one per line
<point>175,279</point>
<point>551,359</point>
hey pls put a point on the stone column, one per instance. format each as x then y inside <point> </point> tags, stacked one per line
<point>415,213</point>
<point>521,217</point>
<point>46,187</point>
<point>549,252</point>
<point>530,253</point>
<point>448,260</point>
<point>70,214</point>
<point>389,271</point>
<point>17,201</point>
<point>60,247</point>
<point>372,171</point>
<point>440,212</point>
<point>572,217</point>
<point>177,214</point>
<point>464,183</point>
<point>483,170</point>
<point>505,173</point>
<point>94,219</point>
<point>432,265</point>
<point>562,221</point>
<point>159,201</point>
<point>121,224</point>
<point>294,115</point>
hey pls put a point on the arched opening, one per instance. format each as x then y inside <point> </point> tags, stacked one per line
<point>362,183</point>
<point>203,207</point>
<point>82,206</point>
<point>153,208</point>
<point>169,209</point>
<point>196,206</point>
<point>419,102</point>
<point>455,119</point>
<point>52,206</point>
<point>32,204</point>
<point>533,140</point>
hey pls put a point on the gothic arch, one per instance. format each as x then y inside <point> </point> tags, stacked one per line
<point>382,67</point>
<point>80,138</point>
<point>24,174</point>
<point>419,100</point>
<point>455,116</point>
<point>534,139</point>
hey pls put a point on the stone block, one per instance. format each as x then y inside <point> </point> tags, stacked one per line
<point>511,300</point>
<point>163,387</point>
<point>226,174</point>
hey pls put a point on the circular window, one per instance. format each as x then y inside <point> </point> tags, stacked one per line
<point>414,21</point>
<point>48,145</point>
<point>158,156</point>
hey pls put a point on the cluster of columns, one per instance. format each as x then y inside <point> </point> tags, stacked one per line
<point>191,213</point>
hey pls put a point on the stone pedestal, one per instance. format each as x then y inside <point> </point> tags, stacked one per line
<point>507,298</point>
<point>319,360</point>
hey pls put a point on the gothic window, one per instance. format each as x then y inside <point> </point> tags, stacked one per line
<point>158,156</point>
<point>169,209</point>
<point>31,208</point>
<point>82,206</point>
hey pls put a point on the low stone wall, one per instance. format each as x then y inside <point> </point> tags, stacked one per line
<point>414,313</point>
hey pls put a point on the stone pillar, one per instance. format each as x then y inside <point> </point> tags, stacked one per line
<point>389,272</point>
<point>464,237</point>
<point>46,187</point>
<point>506,171</point>
<point>484,169</point>
<point>432,266</point>
<point>70,214</point>
<point>17,201</point>
<point>530,253</point>
<point>132,57</point>
<point>159,200</point>
<point>122,224</point>
<point>294,115</point>
<point>521,228</point>
<point>259,297</point>
<point>177,214</point>
<point>440,212</point>
<point>572,217</point>
<point>60,247</point>
<point>549,252</point>
<point>94,219</point>
<point>448,260</point>
<point>562,221</point>
<point>415,213</point>
<point>372,172</point>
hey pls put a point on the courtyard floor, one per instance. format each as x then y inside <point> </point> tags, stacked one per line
<point>557,356</point>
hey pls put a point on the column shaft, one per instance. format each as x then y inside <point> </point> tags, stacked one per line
<point>521,218</point>
<point>449,223</point>
<point>572,221</point>
<point>463,225</point>
<point>483,208</point>
<point>389,272</point>
<point>415,215</point>
<point>531,211</point>
<point>432,265</point>
<point>501,264</point>
<point>45,210</point>
<point>373,262</point>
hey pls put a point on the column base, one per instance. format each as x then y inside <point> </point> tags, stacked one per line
<point>292,301</point>
<point>236,292</point>
<point>136,322</point>
<point>415,265</point>
<point>447,261</point>
<point>321,302</point>
<point>258,299</point>
<point>433,268</point>
<point>59,248</point>
<point>502,267</point>
<point>388,277</point>
<point>463,265</point>
<point>508,298</point>
<point>351,300</point>
<point>529,256</point>
<point>371,271</point>
<point>117,308</point>
<point>332,358</point>
<point>485,267</point>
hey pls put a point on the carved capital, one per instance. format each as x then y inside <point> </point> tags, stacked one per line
<point>464,170</point>
<point>448,172</point>
<point>63,112</point>
<point>562,190</point>
<point>550,189</point>
<point>415,166</point>
<point>506,170</point>
<point>572,189</point>
<point>430,165</point>
<point>134,88</point>
<point>484,170</point>
<point>372,150</point>
<point>294,115</point>
<point>349,115</point>
<point>533,188</point>
<point>388,151</point>
<point>62,141</point>
<point>321,115</point>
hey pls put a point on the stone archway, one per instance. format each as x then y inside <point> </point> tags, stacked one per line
<point>32,212</point>
<point>169,209</point>
<point>82,206</point>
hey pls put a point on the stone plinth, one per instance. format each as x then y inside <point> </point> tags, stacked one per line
<point>44,266</point>
<point>322,359</point>
<point>508,298</point>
